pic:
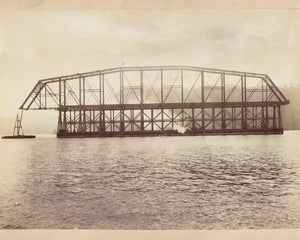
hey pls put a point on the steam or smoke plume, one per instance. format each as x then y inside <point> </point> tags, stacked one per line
<point>179,128</point>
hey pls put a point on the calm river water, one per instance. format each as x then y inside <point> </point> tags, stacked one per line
<point>201,182</point>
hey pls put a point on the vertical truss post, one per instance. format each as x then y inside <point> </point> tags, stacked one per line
<point>244,99</point>
<point>65,96</point>
<point>172,112</point>
<point>266,97</point>
<point>65,110</point>
<point>202,86</point>
<point>276,119</point>
<point>193,119</point>
<point>256,118</point>
<point>83,90</point>
<point>110,121</point>
<point>59,90</point>
<point>132,119</point>
<point>80,121</point>
<point>267,117</point>
<point>262,90</point>
<point>162,119</point>
<point>279,118</point>
<point>245,87</point>
<point>73,121</point>
<point>203,119</point>
<point>213,119</point>
<point>100,88</point>
<point>89,122</point>
<point>246,117</point>
<point>232,118</point>
<point>93,121</point>
<point>83,99</point>
<point>97,124</point>
<point>102,127</point>
<point>113,120</point>
<point>121,80</point>
<point>60,124</point>
<point>80,103</point>
<point>263,125</point>
<point>182,117</point>
<point>253,117</point>
<point>222,87</point>
<point>202,100</point>
<point>223,124</point>
<point>181,78</point>
<point>242,88</point>
<point>152,120</point>
<point>102,120</point>
<point>142,99</point>
<point>141,87</point>
<point>161,86</point>
<point>122,125</point>
<point>142,120</point>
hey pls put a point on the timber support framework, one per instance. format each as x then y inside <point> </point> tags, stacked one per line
<point>160,100</point>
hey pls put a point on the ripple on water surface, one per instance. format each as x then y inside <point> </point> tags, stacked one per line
<point>202,182</point>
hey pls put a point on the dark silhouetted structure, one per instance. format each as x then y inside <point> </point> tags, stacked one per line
<point>160,100</point>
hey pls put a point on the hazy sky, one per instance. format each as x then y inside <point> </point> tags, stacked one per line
<point>40,44</point>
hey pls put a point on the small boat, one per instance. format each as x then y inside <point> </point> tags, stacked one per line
<point>20,136</point>
<point>18,130</point>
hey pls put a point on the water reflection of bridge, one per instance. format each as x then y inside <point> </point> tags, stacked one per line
<point>169,100</point>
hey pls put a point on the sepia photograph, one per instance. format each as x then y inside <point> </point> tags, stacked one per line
<point>140,117</point>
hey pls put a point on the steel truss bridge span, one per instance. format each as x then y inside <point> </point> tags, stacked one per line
<point>160,100</point>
